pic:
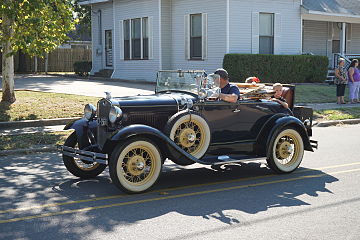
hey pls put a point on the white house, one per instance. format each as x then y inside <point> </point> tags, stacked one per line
<point>134,39</point>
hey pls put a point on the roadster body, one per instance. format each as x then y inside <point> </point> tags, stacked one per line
<point>183,121</point>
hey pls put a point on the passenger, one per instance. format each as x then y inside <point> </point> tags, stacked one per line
<point>229,92</point>
<point>277,87</point>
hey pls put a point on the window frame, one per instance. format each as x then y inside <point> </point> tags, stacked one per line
<point>271,36</point>
<point>129,40</point>
<point>198,38</point>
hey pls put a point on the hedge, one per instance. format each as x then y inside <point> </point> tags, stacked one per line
<point>276,68</point>
<point>82,68</point>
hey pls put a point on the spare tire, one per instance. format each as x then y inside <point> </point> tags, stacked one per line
<point>190,131</point>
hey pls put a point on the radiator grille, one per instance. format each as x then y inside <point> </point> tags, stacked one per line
<point>103,115</point>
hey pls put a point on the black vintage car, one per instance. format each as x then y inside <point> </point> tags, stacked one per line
<point>185,123</point>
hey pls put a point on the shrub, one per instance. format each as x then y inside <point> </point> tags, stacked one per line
<point>82,68</point>
<point>276,68</point>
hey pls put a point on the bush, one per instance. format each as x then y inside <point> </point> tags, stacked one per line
<point>82,68</point>
<point>276,68</point>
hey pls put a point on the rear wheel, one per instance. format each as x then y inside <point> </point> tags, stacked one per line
<point>135,166</point>
<point>286,151</point>
<point>77,167</point>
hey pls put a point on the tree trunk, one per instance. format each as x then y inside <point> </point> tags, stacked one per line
<point>8,94</point>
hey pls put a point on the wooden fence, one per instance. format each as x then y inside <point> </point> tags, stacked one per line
<point>59,60</point>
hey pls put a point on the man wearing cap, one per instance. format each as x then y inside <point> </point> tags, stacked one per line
<point>229,92</point>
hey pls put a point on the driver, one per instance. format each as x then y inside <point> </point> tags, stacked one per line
<point>229,92</point>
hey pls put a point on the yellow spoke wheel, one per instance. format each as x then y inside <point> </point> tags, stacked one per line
<point>287,150</point>
<point>136,165</point>
<point>190,131</point>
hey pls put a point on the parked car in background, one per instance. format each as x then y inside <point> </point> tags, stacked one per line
<point>183,121</point>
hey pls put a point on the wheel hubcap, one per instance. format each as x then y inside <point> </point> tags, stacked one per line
<point>189,136</point>
<point>287,149</point>
<point>138,165</point>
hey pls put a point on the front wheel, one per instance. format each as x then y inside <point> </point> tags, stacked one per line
<point>135,165</point>
<point>77,167</point>
<point>286,151</point>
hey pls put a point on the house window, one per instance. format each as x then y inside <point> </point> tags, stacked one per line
<point>266,33</point>
<point>196,36</point>
<point>136,38</point>
<point>127,39</point>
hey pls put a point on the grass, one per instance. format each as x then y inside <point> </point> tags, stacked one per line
<point>316,93</point>
<point>32,140</point>
<point>31,105</point>
<point>337,114</point>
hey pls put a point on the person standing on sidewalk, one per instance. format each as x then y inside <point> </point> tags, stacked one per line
<point>354,81</point>
<point>340,81</point>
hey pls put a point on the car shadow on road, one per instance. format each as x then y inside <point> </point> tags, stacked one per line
<point>228,194</point>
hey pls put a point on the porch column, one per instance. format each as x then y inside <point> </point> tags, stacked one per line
<point>343,38</point>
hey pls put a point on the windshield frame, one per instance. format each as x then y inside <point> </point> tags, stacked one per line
<point>194,73</point>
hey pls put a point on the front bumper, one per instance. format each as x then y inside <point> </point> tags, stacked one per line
<point>84,155</point>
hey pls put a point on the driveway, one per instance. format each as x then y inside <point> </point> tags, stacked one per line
<point>88,87</point>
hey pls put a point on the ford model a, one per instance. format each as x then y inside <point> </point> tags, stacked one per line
<point>185,123</point>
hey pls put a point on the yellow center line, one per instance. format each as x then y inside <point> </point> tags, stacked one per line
<point>173,196</point>
<point>169,189</point>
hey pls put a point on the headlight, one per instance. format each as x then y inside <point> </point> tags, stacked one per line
<point>89,111</point>
<point>115,114</point>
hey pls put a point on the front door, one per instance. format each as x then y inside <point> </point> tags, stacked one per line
<point>108,48</point>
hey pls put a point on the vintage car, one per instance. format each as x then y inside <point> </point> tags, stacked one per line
<point>186,123</point>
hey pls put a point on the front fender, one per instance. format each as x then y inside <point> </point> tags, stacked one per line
<point>82,127</point>
<point>163,141</point>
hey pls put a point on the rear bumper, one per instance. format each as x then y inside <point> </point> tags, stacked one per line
<point>84,155</point>
<point>314,144</point>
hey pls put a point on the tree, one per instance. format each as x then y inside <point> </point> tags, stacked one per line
<point>33,26</point>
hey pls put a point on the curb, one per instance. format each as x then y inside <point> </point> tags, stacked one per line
<point>46,148</point>
<point>336,122</point>
<point>36,123</point>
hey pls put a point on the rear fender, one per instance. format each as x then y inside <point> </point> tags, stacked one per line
<point>166,145</point>
<point>83,128</point>
<point>274,125</point>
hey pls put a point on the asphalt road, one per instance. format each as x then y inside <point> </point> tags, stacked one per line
<point>39,199</point>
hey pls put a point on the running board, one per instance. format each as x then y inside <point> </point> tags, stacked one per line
<point>224,159</point>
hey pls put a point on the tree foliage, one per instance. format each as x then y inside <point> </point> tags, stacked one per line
<point>33,26</point>
<point>39,25</point>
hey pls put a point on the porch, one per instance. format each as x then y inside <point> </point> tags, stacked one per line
<point>332,29</point>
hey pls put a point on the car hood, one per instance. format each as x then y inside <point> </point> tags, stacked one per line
<point>160,99</point>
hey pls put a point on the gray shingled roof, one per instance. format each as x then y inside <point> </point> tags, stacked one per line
<point>348,7</point>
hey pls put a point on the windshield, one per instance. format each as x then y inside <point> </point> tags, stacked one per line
<point>187,81</point>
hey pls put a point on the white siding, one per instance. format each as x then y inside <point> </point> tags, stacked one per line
<point>355,39</point>
<point>216,33</point>
<point>136,69</point>
<point>166,34</point>
<point>315,37</point>
<point>288,12</point>
<point>98,46</point>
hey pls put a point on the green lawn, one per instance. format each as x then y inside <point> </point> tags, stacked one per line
<point>337,114</point>
<point>31,105</point>
<point>33,140</point>
<point>316,93</point>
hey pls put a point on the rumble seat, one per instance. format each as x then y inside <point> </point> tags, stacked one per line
<point>288,94</point>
